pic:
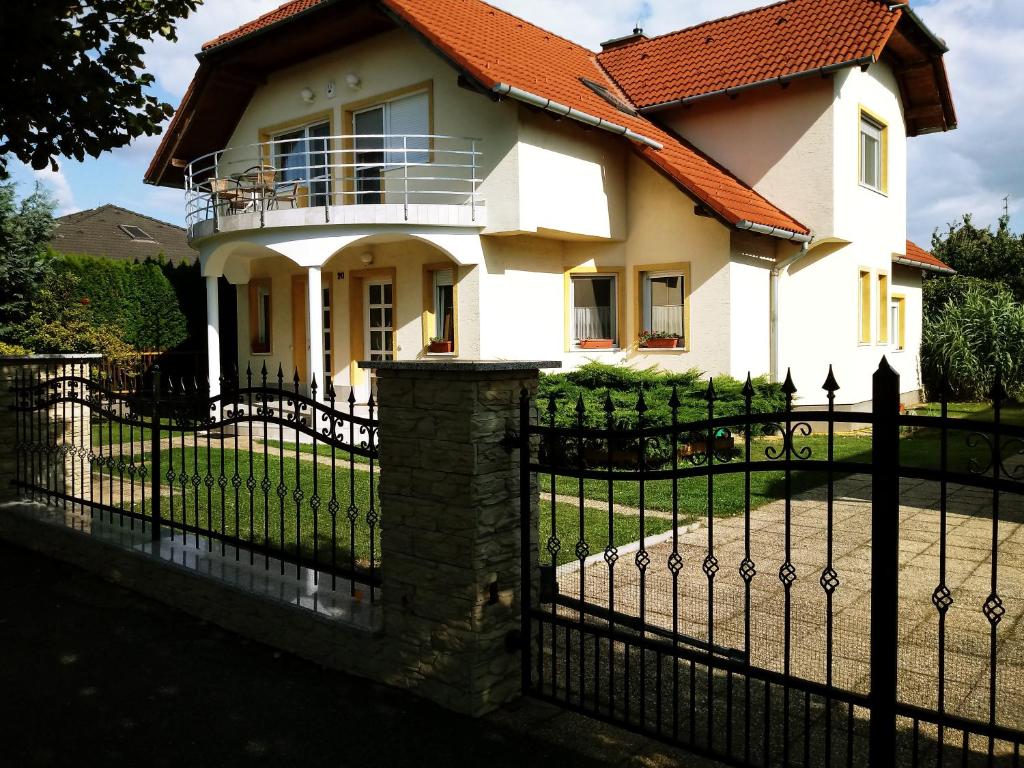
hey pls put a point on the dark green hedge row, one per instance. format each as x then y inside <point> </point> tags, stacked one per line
<point>135,298</point>
<point>596,381</point>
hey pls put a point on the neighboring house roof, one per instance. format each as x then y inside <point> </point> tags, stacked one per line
<point>511,57</point>
<point>784,41</point>
<point>113,232</point>
<point>917,256</point>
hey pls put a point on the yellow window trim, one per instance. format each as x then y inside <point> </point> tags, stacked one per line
<point>254,285</point>
<point>678,266</point>
<point>901,332</point>
<point>428,301</point>
<point>355,315</point>
<point>882,280</point>
<point>865,289</point>
<point>349,110</point>
<point>620,299</point>
<point>268,133</point>
<point>864,112</point>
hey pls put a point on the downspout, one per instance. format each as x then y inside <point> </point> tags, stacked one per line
<point>777,270</point>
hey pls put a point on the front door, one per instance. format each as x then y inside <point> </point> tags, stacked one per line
<point>378,323</point>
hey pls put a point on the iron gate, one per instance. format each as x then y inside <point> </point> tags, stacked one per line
<point>872,613</point>
<point>266,470</point>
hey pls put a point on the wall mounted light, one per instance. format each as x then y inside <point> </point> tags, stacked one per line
<point>353,80</point>
<point>366,258</point>
<point>307,95</point>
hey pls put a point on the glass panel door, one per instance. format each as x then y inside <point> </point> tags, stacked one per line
<point>369,155</point>
<point>379,321</point>
<point>301,158</point>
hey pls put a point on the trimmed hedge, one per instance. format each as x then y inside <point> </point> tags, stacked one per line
<point>135,298</point>
<point>594,382</point>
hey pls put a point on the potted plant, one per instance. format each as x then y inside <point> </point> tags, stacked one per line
<point>595,343</point>
<point>658,340</point>
<point>440,345</point>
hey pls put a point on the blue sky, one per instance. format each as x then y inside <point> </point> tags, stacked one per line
<point>967,170</point>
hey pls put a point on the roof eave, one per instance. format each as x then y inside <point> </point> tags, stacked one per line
<point>210,49</point>
<point>937,41</point>
<point>922,265</point>
<point>779,232</point>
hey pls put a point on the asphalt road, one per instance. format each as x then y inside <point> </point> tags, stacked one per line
<point>92,674</point>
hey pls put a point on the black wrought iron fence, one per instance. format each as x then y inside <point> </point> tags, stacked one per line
<point>766,591</point>
<point>260,471</point>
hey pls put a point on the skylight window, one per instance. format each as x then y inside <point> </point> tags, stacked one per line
<point>136,233</point>
<point>607,95</point>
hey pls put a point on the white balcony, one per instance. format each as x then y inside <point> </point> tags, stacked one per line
<point>412,179</point>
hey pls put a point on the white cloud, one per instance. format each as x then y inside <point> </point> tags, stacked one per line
<point>56,182</point>
<point>173,64</point>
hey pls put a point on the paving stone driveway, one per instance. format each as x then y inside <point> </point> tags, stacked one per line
<point>968,575</point>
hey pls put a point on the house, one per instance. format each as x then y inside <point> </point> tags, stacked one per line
<point>113,232</point>
<point>374,174</point>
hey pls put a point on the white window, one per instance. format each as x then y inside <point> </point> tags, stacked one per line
<point>663,303</point>
<point>594,308</point>
<point>444,305</point>
<point>898,321</point>
<point>872,151</point>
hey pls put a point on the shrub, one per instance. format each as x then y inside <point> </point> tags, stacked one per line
<point>134,298</point>
<point>61,322</point>
<point>979,329</point>
<point>595,382</point>
<point>13,350</point>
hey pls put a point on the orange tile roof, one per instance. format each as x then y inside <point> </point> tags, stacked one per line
<point>925,260</point>
<point>782,39</point>
<point>280,13</point>
<point>495,47</point>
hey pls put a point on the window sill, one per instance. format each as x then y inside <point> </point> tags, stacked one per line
<point>597,350</point>
<point>881,192</point>
<point>662,350</point>
<point>442,354</point>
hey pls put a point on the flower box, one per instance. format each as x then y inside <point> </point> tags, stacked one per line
<point>660,343</point>
<point>595,343</point>
<point>441,347</point>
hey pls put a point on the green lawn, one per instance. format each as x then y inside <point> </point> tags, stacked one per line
<point>1012,413</point>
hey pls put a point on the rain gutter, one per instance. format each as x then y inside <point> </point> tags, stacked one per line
<point>504,89</point>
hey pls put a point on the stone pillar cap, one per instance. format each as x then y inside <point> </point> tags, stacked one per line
<point>458,365</point>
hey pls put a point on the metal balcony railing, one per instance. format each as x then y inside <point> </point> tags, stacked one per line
<point>325,171</point>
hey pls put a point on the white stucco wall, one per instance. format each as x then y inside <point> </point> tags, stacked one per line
<point>778,141</point>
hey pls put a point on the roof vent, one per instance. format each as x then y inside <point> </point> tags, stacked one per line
<point>619,42</point>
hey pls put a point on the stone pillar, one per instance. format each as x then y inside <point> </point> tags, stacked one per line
<point>213,335</point>
<point>315,349</point>
<point>450,516</point>
<point>66,424</point>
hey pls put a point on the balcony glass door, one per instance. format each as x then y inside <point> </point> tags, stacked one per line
<point>301,159</point>
<point>369,155</point>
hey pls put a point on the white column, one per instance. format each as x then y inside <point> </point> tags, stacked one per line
<point>314,302</point>
<point>213,335</point>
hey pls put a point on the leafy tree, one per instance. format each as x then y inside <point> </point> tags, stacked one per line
<point>76,84</point>
<point>980,252</point>
<point>61,322</point>
<point>25,229</point>
<point>975,332</point>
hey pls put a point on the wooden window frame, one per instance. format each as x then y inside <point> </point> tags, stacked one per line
<point>882,281</point>
<point>680,267</point>
<point>267,134</point>
<point>619,273</point>
<point>254,285</point>
<point>349,110</point>
<point>900,332</point>
<point>429,315</point>
<point>865,291</point>
<point>866,115</point>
